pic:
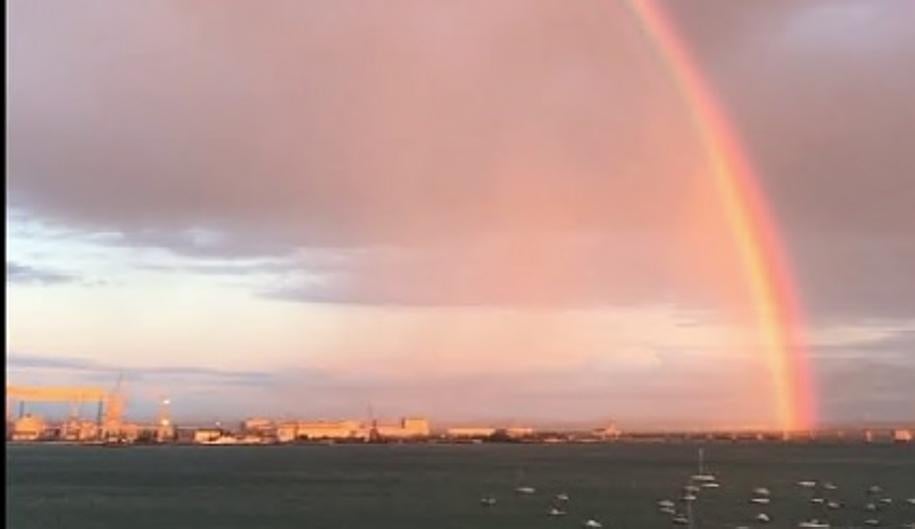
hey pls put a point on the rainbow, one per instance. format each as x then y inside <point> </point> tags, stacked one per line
<point>772,291</point>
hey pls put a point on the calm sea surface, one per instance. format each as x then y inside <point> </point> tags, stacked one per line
<point>437,486</point>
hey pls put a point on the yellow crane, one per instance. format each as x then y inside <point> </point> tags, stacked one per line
<point>56,394</point>
<point>110,403</point>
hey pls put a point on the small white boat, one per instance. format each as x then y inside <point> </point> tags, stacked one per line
<point>711,485</point>
<point>487,501</point>
<point>818,501</point>
<point>830,486</point>
<point>562,496</point>
<point>520,488</point>
<point>763,518</point>
<point>874,489</point>
<point>668,510</point>
<point>870,507</point>
<point>910,501</point>
<point>555,512</point>
<point>702,475</point>
<point>834,505</point>
<point>593,524</point>
<point>688,497</point>
<point>813,524</point>
<point>680,519</point>
<point>760,501</point>
<point>886,501</point>
<point>873,522</point>
<point>761,491</point>
<point>666,503</point>
<point>807,484</point>
<point>691,488</point>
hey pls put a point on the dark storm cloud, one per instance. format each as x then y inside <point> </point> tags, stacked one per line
<point>231,267</point>
<point>101,371</point>
<point>821,91</point>
<point>848,276</point>
<point>207,244</point>
<point>17,273</point>
<point>44,362</point>
<point>898,344</point>
<point>871,390</point>
<point>867,381</point>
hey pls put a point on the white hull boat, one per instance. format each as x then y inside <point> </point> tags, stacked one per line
<point>813,524</point>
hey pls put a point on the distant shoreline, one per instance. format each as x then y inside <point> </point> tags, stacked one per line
<point>628,442</point>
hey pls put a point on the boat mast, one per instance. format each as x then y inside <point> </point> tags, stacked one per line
<point>701,461</point>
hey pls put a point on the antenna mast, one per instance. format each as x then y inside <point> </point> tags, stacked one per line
<point>373,425</point>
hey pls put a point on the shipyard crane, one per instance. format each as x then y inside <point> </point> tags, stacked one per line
<point>110,403</point>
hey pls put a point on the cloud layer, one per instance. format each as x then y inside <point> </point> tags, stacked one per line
<point>17,273</point>
<point>260,185</point>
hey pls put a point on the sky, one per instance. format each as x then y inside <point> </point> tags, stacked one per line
<point>474,211</point>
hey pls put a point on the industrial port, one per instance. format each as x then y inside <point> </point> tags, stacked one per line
<point>110,426</point>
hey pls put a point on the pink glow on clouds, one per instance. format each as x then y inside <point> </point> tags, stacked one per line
<point>409,196</point>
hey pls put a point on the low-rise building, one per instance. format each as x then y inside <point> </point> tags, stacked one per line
<point>330,430</point>
<point>473,432</point>
<point>130,431</point>
<point>79,430</point>
<point>518,432</point>
<point>28,428</point>
<point>185,434</point>
<point>207,435</point>
<point>258,426</point>
<point>902,436</point>
<point>286,432</point>
<point>165,431</point>
<point>409,428</point>
<point>416,426</point>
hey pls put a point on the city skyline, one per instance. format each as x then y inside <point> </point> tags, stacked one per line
<point>468,212</point>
